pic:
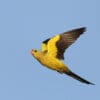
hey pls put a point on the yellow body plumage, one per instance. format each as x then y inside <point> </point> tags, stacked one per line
<point>49,61</point>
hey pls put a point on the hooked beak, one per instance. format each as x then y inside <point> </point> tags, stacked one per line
<point>32,52</point>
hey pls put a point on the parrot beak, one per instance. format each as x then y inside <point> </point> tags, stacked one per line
<point>32,52</point>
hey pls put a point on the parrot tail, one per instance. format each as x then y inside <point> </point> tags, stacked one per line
<point>75,76</point>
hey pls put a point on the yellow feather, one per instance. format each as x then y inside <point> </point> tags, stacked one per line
<point>52,49</point>
<point>44,47</point>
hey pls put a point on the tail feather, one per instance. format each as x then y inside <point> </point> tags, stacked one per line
<point>75,76</point>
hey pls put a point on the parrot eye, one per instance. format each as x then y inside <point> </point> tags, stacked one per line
<point>35,50</point>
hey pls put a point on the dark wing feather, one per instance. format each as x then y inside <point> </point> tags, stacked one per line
<point>66,39</point>
<point>46,41</point>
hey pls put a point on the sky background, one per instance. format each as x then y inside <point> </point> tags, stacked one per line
<point>24,24</point>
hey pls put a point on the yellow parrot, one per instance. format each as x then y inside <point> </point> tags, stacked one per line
<point>53,49</point>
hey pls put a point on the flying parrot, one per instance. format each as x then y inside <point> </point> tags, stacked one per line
<point>52,53</point>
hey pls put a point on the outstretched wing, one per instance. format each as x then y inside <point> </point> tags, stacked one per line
<point>56,46</point>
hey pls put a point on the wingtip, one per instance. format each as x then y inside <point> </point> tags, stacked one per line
<point>79,30</point>
<point>83,28</point>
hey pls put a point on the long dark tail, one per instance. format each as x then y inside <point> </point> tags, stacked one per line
<point>75,76</point>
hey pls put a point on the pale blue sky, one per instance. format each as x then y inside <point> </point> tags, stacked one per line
<point>24,25</point>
